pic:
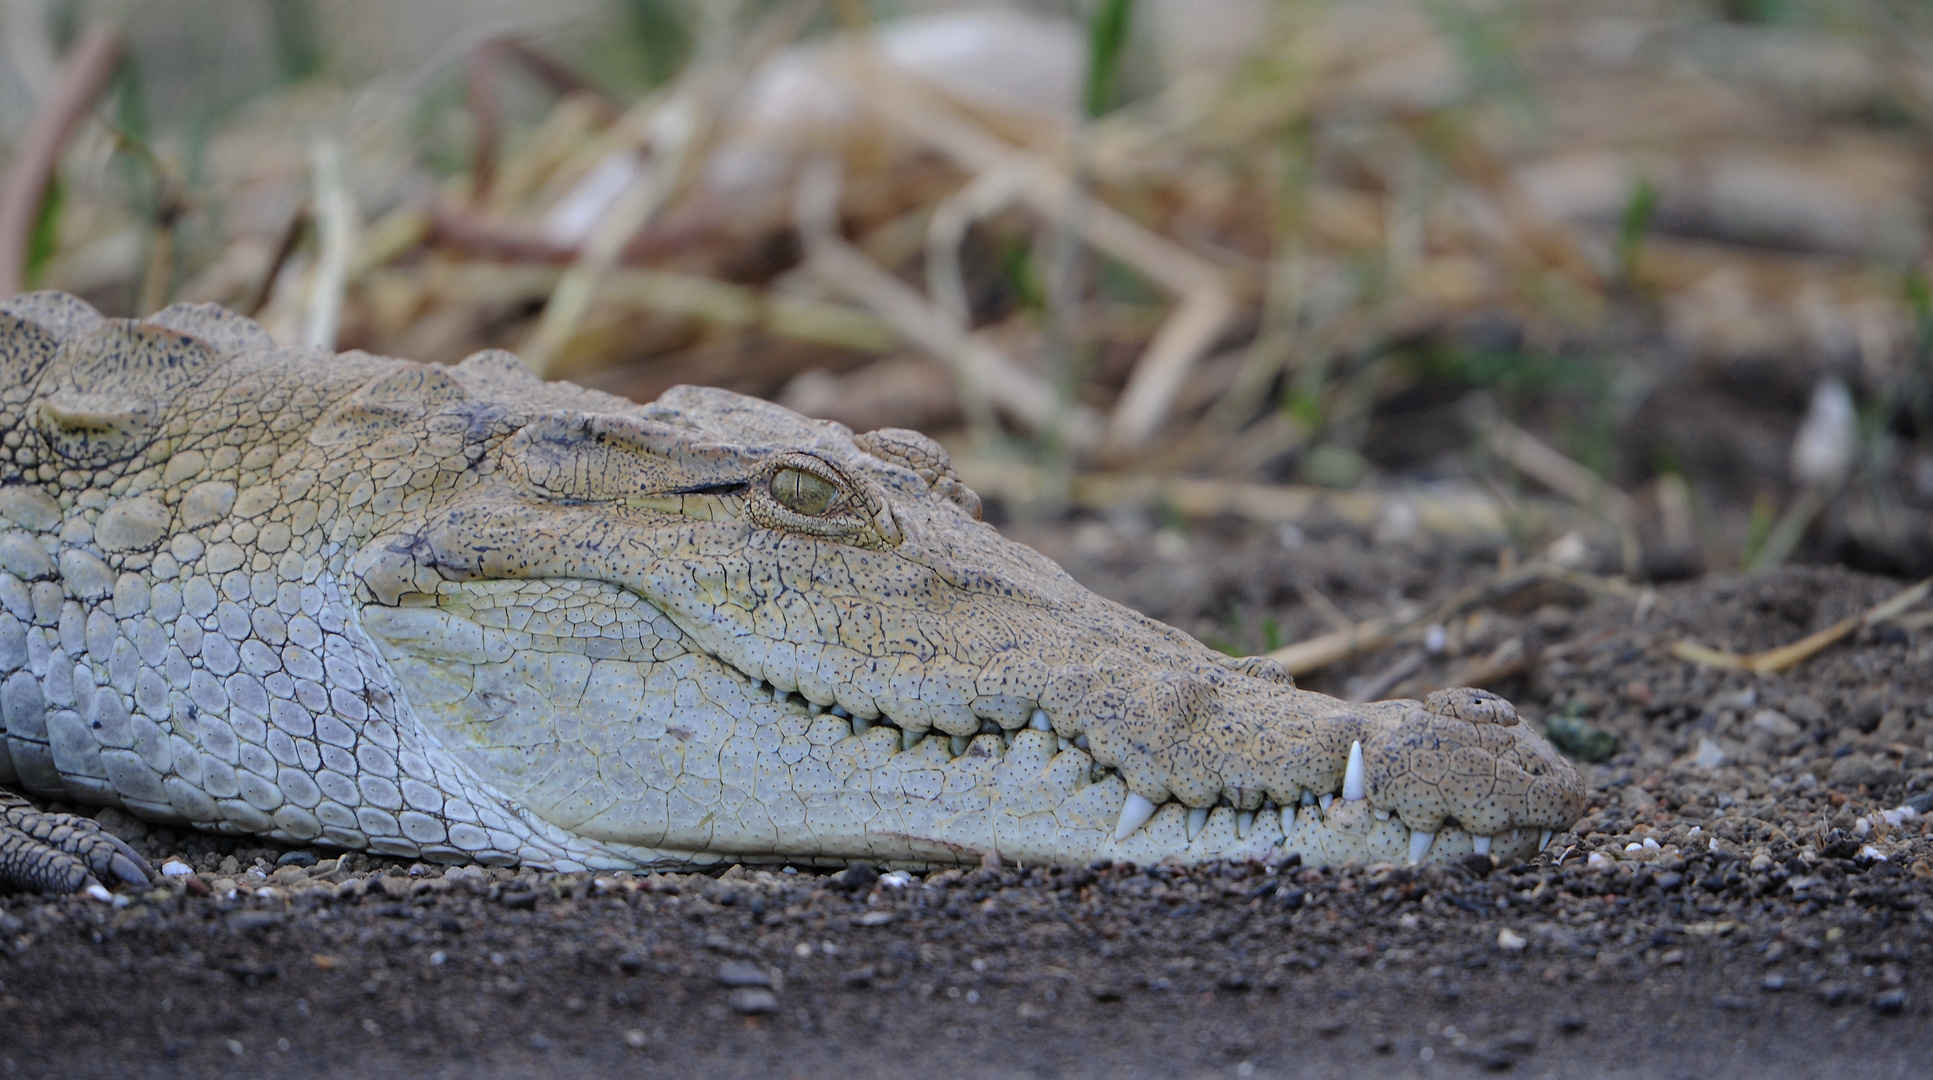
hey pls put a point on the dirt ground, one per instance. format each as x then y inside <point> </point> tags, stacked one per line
<point>1783,926</point>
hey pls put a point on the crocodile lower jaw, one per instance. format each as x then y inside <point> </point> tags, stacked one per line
<point>626,734</point>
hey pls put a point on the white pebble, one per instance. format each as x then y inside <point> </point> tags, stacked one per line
<point>1435,639</point>
<point>1863,826</point>
<point>1873,853</point>
<point>1695,830</point>
<point>97,892</point>
<point>896,879</point>
<point>1510,940</point>
<point>1652,843</point>
<point>1634,846</point>
<point>1891,817</point>
<point>1600,861</point>
<point>176,869</point>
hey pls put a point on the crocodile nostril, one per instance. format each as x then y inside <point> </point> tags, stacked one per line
<point>1471,704</point>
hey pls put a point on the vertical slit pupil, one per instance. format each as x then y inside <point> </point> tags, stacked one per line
<point>802,492</point>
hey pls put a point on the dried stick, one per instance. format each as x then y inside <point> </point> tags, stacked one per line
<point>1318,652</point>
<point>1776,660</point>
<point>82,76</point>
<point>335,218</point>
<point>284,247</point>
<point>1011,388</point>
<point>1543,463</point>
<point>480,84</point>
<point>1190,329</point>
<point>453,227</point>
<point>686,295</point>
<point>1472,515</point>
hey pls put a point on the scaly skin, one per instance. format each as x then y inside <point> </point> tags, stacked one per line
<point>462,614</point>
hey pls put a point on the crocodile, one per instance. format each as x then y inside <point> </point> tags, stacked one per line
<point>461,614</point>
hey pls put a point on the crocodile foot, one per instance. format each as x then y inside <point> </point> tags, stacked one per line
<point>61,853</point>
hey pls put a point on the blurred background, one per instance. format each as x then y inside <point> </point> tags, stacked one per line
<point>1646,281</point>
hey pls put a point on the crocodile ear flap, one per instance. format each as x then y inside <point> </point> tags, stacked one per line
<point>406,394</point>
<point>96,429</point>
<point>110,385</point>
<point>226,331</point>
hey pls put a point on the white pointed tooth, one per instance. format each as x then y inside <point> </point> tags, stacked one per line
<point>910,739</point>
<point>781,696</point>
<point>1380,814</point>
<point>1081,741</point>
<point>814,707</point>
<point>861,725</point>
<point>1544,840</point>
<point>959,744</point>
<point>1352,777</point>
<point>1324,801</point>
<point>1288,820</point>
<point>1308,797</point>
<point>1480,844</point>
<point>1419,845</point>
<point>840,710</point>
<point>1197,817</point>
<point>1244,820</point>
<point>1134,814</point>
<point>1039,721</point>
<point>1062,744</point>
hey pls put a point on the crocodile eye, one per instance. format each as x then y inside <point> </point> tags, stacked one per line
<point>802,492</point>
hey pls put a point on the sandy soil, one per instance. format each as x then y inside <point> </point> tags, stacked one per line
<point>1773,941</point>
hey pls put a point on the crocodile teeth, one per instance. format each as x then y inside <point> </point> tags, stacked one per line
<point>959,745</point>
<point>1308,797</point>
<point>1324,802</point>
<point>1134,814</point>
<point>1197,817</point>
<point>1352,777</point>
<point>861,725</point>
<point>1419,845</point>
<point>1481,844</point>
<point>1039,721</point>
<point>910,739</point>
<point>1544,840</point>
<point>1244,820</point>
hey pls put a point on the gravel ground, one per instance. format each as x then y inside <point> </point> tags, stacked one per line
<point>1782,925</point>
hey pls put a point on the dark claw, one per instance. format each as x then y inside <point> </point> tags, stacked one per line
<point>127,864</point>
<point>133,871</point>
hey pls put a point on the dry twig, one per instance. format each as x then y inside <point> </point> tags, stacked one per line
<point>82,76</point>
<point>1196,322</point>
<point>1013,389</point>
<point>1772,661</point>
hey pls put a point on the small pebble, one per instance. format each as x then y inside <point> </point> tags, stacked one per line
<point>176,869</point>
<point>1511,941</point>
<point>754,1001</point>
<point>741,973</point>
<point>1600,861</point>
<point>1773,981</point>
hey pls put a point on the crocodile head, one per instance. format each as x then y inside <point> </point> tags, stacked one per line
<point>711,628</point>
